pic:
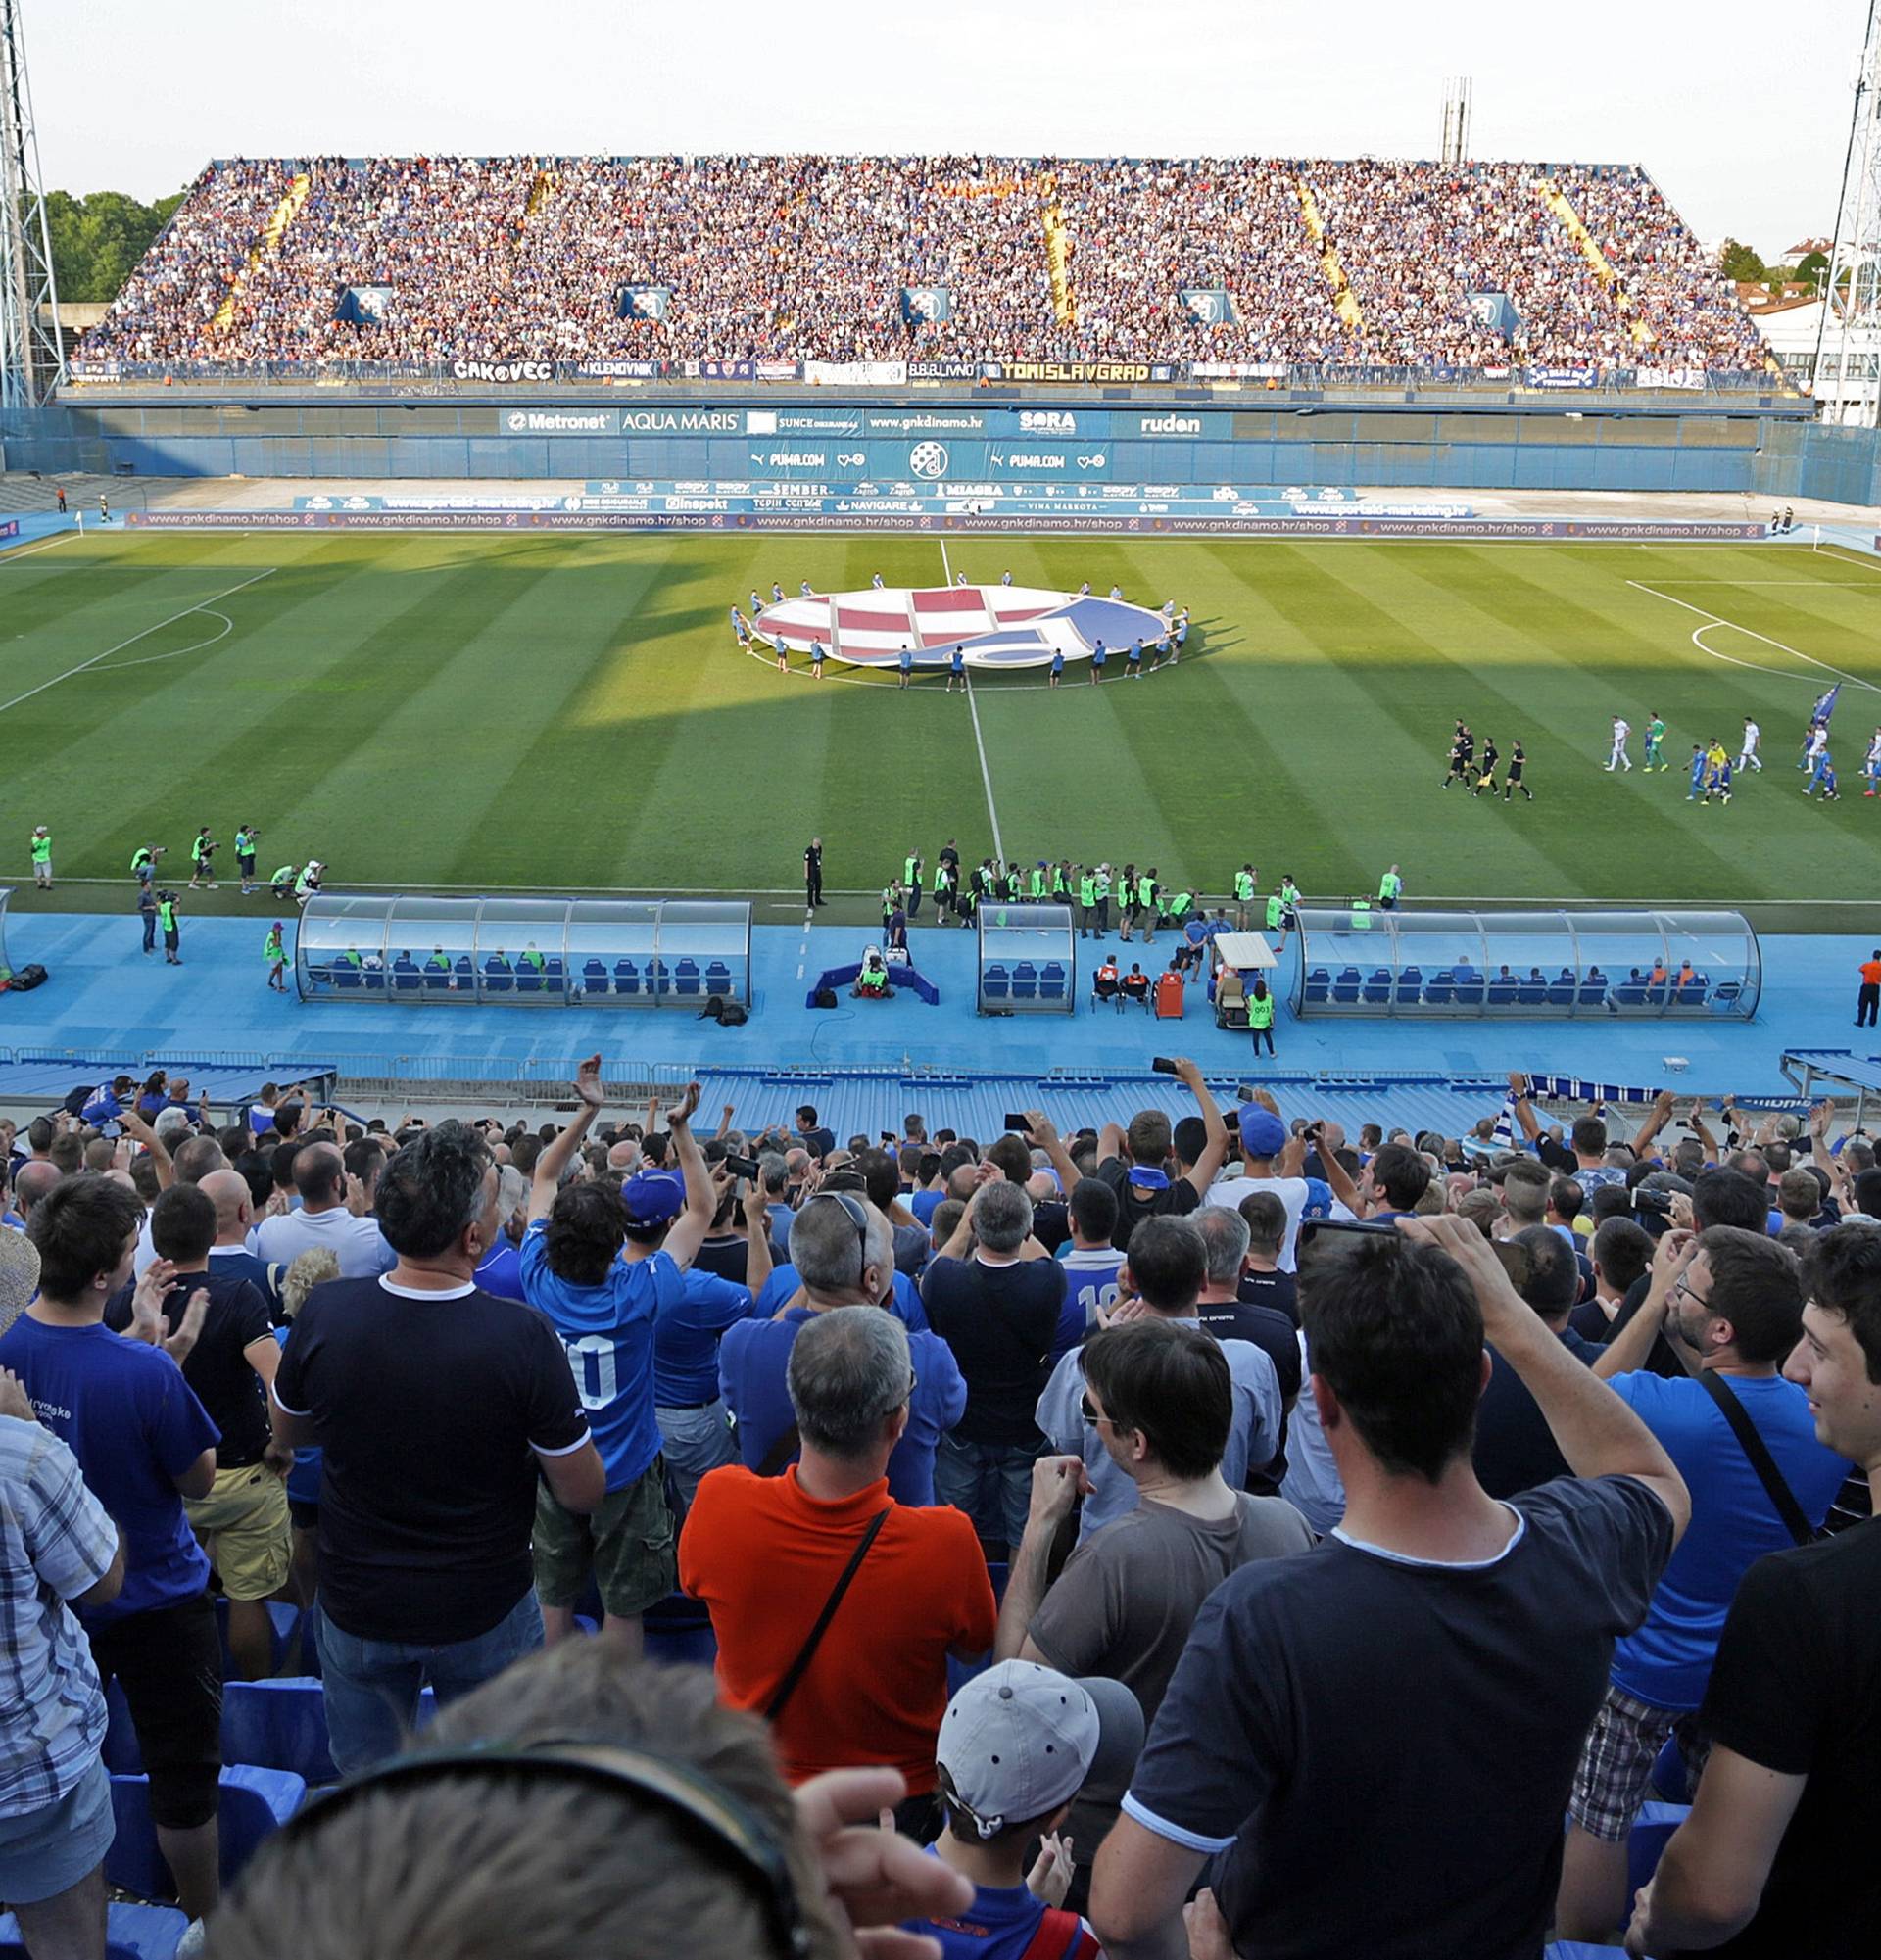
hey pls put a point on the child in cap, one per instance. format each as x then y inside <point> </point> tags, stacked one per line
<point>1015,1747</point>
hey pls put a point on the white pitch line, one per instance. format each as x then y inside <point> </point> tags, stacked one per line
<point>32,551</point>
<point>151,660</point>
<point>944,566</point>
<point>201,606</point>
<point>1717,619</point>
<point>985,774</point>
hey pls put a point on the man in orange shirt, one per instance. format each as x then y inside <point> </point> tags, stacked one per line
<point>1868,1003</point>
<point>836,1608</point>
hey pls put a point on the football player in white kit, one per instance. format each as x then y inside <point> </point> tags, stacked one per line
<point>1747,755</point>
<point>1620,759</point>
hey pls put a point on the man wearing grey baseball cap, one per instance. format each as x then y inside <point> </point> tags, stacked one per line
<point>1016,1746</point>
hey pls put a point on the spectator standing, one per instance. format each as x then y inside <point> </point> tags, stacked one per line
<point>1776,1857</point>
<point>1161,1404</point>
<point>324,1218</point>
<point>994,1296</point>
<point>1732,1302</point>
<point>1262,1282</point>
<point>230,1366</point>
<point>437,1406</point>
<point>144,1443</point>
<point>1092,1262</point>
<point>842,1253</point>
<point>1017,1745</point>
<point>835,1608</point>
<point>1272,1162</point>
<point>1225,1314</point>
<point>598,1262</point>
<point>58,1550</point>
<point>1134,1161</point>
<point>1165,1270</point>
<point>1316,1706</point>
<point>1867,996</point>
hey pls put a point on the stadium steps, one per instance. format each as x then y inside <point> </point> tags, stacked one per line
<point>272,232</point>
<point>1345,301</point>
<point>1059,248</point>
<point>1562,208</point>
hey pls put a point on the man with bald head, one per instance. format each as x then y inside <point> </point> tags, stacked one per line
<point>229,1256</point>
<point>189,1163</point>
<point>30,1182</point>
<point>323,1219</point>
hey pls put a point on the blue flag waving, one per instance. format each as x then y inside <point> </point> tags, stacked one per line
<point>1825,706</point>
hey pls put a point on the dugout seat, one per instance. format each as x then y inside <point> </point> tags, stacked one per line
<point>1561,993</point>
<point>528,979</point>
<point>626,976</point>
<point>1410,986</point>
<point>1025,981</point>
<point>1592,993</point>
<point>254,1803</point>
<point>1345,989</point>
<point>593,977</point>
<point>718,978</point>
<point>1378,989</point>
<point>1533,993</point>
<point>406,978</point>
<point>1469,991</point>
<point>996,982</point>
<point>555,975</point>
<point>466,972</point>
<point>497,975</point>
<point>686,978</point>
<point>132,1933</point>
<point>1319,986</point>
<point>659,981</point>
<point>345,976</point>
<point>1504,992</point>
<point>1442,989</point>
<point>1051,982</point>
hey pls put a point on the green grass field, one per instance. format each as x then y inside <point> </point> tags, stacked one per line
<point>568,712</point>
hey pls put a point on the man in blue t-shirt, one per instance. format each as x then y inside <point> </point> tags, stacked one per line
<point>1732,1302</point>
<point>601,1262</point>
<point>841,1255</point>
<point>144,1441</point>
<point>694,1426</point>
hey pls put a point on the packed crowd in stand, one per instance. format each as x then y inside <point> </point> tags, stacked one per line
<point>1208,1537</point>
<point>807,257</point>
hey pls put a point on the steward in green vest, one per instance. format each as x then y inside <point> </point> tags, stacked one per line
<point>1243,895</point>
<point>1390,887</point>
<point>1038,881</point>
<point>440,960</point>
<point>283,881</point>
<point>1260,1010</point>
<point>911,878</point>
<point>530,957</point>
<point>167,919</point>
<point>1087,903</point>
<point>1275,910</point>
<point>1361,914</point>
<point>1061,882</point>
<point>1181,906</point>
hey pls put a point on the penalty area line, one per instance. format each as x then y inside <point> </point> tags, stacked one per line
<point>985,774</point>
<point>1718,619</point>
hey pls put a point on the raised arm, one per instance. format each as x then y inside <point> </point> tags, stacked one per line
<point>758,1262</point>
<point>1524,1110</point>
<point>560,1154</point>
<point>1044,1134</point>
<point>1700,1130</point>
<point>690,1229</point>
<point>1821,1117</point>
<point>1657,1118</point>
<point>1628,1349</point>
<point>1215,1146</point>
<point>134,1127</point>
<point>1338,1180</point>
<point>1593,1428</point>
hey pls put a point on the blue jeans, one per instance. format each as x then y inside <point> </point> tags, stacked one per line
<point>372,1685</point>
<point>991,1482</point>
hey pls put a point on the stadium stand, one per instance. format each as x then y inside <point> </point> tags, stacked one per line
<point>1305,263</point>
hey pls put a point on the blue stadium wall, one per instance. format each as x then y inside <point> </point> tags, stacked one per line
<point>821,441</point>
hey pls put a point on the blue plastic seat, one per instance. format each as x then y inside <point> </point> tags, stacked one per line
<point>1503,992</point>
<point>1533,993</point>
<point>281,1619</point>
<point>658,979</point>
<point>345,974</point>
<point>132,1933</point>
<point>1592,993</point>
<point>278,1723</point>
<point>406,978</point>
<point>466,973</point>
<point>718,976</point>
<point>1378,989</point>
<point>594,976</point>
<point>1051,982</point>
<point>995,983</point>
<point>1345,988</point>
<point>498,977</point>
<point>626,976</point>
<point>1561,993</point>
<point>1319,984</point>
<point>1651,1831</point>
<point>1025,981</point>
<point>1469,993</point>
<point>437,979</point>
<point>686,978</point>
<point>254,1803</point>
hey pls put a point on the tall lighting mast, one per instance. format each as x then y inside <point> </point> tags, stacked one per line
<point>1855,258</point>
<point>33,352</point>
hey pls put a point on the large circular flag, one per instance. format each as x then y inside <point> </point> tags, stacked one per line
<point>993,626</point>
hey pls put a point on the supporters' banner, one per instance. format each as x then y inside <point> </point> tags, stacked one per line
<point>503,371</point>
<point>619,370</point>
<point>722,370</point>
<point>1496,314</point>
<point>857,373</point>
<point>1561,377</point>
<point>644,303</point>
<point>10,529</point>
<point>364,306</point>
<point>775,370</point>
<point>943,370</point>
<point>1208,305</point>
<point>1668,377</point>
<point>1237,370</point>
<point>1078,373</point>
<point>926,303</point>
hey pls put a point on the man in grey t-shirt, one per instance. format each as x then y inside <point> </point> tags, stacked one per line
<point>1160,1399</point>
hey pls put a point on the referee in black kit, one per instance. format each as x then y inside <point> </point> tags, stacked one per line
<point>813,872</point>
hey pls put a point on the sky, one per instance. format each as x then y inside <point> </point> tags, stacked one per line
<point>1741,115</point>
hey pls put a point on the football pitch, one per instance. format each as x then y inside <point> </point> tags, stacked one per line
<point>568,712</point>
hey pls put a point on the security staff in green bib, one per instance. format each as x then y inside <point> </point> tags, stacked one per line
<point>1260,1015</point>
<point>1391,889</point>
<point>172,933</point>
<point>1038,881</point>
<point>1180,907</point>
<point>1276,911</point>
<point>1061,881</point>
<point>1243,895</point>
<point>1148,893</point>
<point>41,842</point>
<point>439,962</point>
<point>1087,903</point>
<point>911,880</point>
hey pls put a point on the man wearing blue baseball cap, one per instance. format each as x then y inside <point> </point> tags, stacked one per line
<point>1134,1162</point>
<point>1272,1162</point>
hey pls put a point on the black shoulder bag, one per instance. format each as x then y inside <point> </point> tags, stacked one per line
<point>794,1673</point>
<point>1761,1462</point>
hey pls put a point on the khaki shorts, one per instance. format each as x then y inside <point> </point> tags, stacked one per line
<point>628,1545</point>
<point>243,1523</point>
